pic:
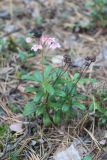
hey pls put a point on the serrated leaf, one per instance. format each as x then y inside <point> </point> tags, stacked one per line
<point>55,105</point>
<point>76,76</point>
<point>29,109</point>
<point>88,4</point>
<point>105,113</point>
<point>28,77</point>
<point>47,71</point>
<point>22,56</point>
<point>48,87</point>
<point>65,108</point>
<point>37,97</point>
<point>39,110</point>
<point>46,119</point>
<point>30,89</point>
<point>38,76</point>
<point>60,93</point>
<point>57,117</point>
<point>91,107</point>
<point>79,105</point>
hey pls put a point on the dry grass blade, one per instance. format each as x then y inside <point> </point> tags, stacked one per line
<point>24,143</point>
<point>5,70</point>
<point>33,156</point>
<point>67,21</point>
<point>5,108</point>
<point>93,138</point>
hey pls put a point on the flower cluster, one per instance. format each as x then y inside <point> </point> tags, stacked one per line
<point>67,60</point>
<point>90,60</point>
<point>44,42</point>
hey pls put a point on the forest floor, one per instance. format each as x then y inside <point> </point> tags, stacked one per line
<point>67,21</point>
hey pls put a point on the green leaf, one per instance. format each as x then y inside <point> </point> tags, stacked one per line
<point>39,110</point>
<point>22,55</point>
<point>105,2</point>
<point>79,105</point>
<point>30,89</point>
<point>57,117</point>
<point>37,97</point>
<point>29,109</point>
<point>47,71</point>
<point>65,108</point>
<point>87,80</point>
<point>60,93</point>
<point>68,87</point>
<point>38,76</point>
<point>48,87</point>
<point>28,77</point>
<point>88,4</point>
<point>76,76</point>
<point>82,97</point>
<point>91,107</point>
<point>96,106</point>
<point>55,73</point>
<point>14,155</point>
<point>87,158</point>
<point>105,113</point>
<point>55,105</point>
<point>46,119</point>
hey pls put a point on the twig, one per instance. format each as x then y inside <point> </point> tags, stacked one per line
<point>41,3</point>
<point>8,34</point>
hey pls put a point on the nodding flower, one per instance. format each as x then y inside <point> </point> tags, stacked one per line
<point>36,47</point>
<point>92,59</point>
<point>44,42</point>
<point>49,42</point>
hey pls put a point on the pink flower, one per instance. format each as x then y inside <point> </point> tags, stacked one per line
<point>49,42</point>
<point>44,42</point>
<point>43,39</point>
<point>36,47</point>
<point>28,40</point>
<point>55,45</point>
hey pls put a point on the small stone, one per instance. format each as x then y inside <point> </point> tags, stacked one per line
<point>16,127</point>
<point>57,59</point>
<point>41,141</point>
<point>33,143</point>
<point>103,142</point>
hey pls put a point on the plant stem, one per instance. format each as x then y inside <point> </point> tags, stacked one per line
<point>42,65</point>
<point>60,74</point>
<point>47,110</point>
<point>82,72</point>
<point>85,68</point>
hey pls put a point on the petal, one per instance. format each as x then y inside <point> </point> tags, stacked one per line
<point>36,47</point>
<point>28,40</point>
<point>40,47</point>
<point>54,46</point>
<point>43,39</point>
